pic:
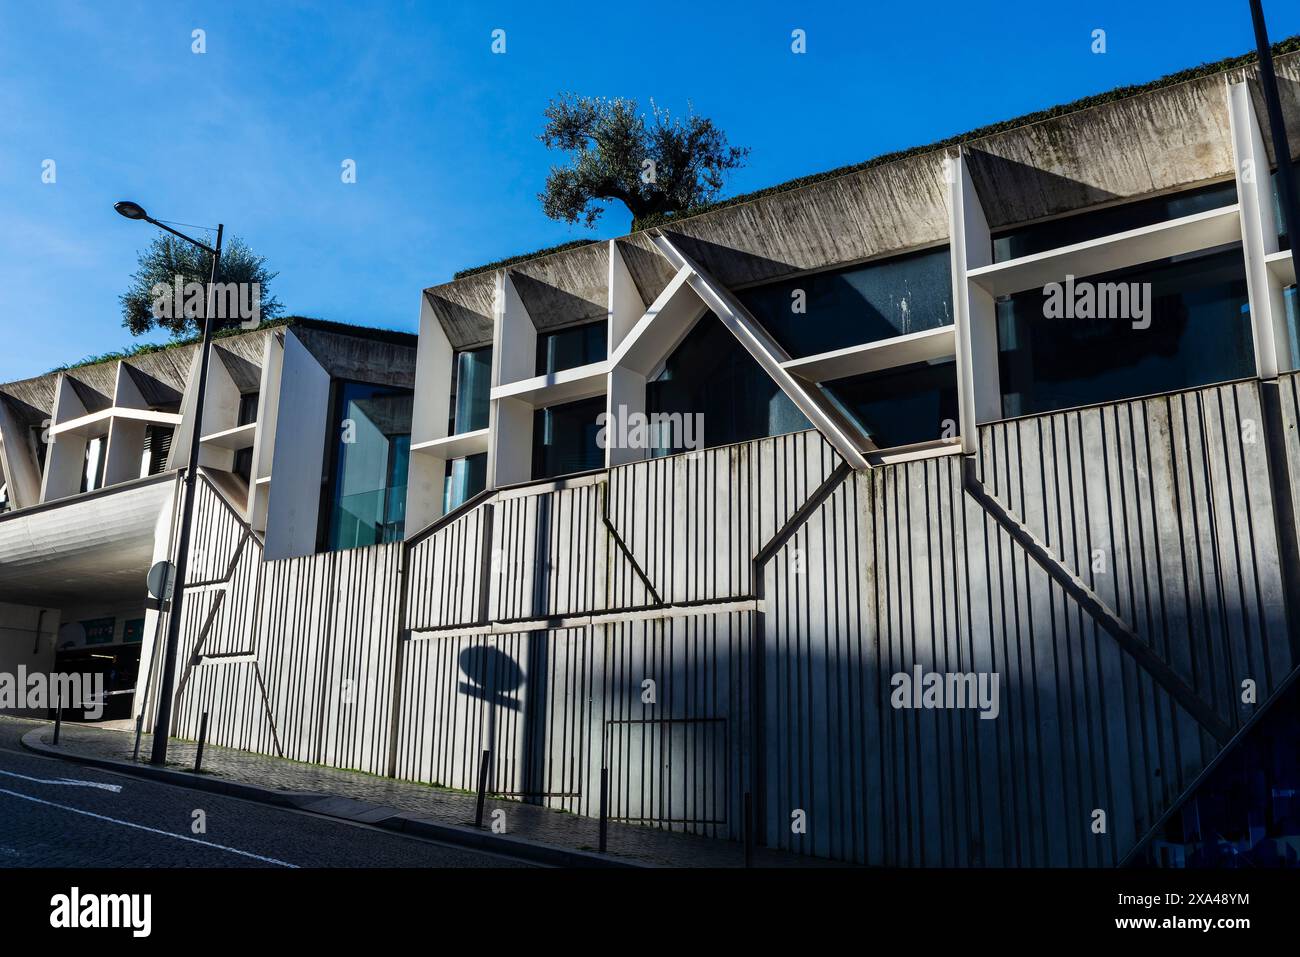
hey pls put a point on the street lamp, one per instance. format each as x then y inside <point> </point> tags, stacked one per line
<point>162,720</point>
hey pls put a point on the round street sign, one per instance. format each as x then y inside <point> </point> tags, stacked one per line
<point>161,579</point>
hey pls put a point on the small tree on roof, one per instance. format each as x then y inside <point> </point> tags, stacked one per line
<point>651,163</point>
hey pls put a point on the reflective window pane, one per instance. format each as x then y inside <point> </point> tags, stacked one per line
<point>1081,227</point>
<point>710,373</point>
<point>465,478</point>
<point>473,390</point>
<point>564,438</point>
<point>1199,333</point>
<point>573,347</point>
<point>903,406</point>
<point>821,312</point>
<point>370,451</point>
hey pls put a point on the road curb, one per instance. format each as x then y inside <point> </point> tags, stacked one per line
<point>388,818</point>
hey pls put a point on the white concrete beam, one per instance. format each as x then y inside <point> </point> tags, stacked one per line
<point>1133,247</point>
<point>1259,236</point>
<point>514,359</point>
<point>510,446</point>
<point>625,304</point>
<point>125,435</point>
<point>268,408</point>
<point>979,396</point>
<point>435,361</point>
<point>566,385</point>
<point>876,356</point>
<point>64,456</point>
<point>661,327</point>
<point>844,435</point>
<point>303,418</point>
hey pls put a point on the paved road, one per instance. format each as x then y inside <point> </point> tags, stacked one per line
<point>57,814</point>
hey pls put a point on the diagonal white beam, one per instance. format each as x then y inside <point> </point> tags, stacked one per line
<point>847,439</point>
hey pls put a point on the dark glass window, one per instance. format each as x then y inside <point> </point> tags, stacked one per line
<point>96,457</point>
<point>465,478</point>
<point>1279,214</point>
<point>1081,227</point>
<point>1199,333</point>
<point>914,403</point>
<point>711,373</point>
<point>473,390</point>
<point>39,435</point>
<point>564,438</point>
<point>157,446</point>
<point>852,306</point>
<point>369,450</point>
<point>573,347</point>
<point>1292,324</point>
<point>248,403</point>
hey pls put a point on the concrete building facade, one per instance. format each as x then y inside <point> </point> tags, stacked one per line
<point>708,506</point>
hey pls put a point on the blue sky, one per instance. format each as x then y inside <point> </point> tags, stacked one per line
<point>252,133</point>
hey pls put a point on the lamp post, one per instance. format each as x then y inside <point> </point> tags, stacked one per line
<point>1286,184</point>
<point>162,720</point>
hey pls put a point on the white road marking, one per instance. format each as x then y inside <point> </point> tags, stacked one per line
<point>72,782</point>
<point>151,830</point>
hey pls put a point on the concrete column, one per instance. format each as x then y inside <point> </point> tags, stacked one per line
<point>65,455</point>
<point>268,409</point>
<point>514,358</point>
<point>302,419</point>
<point>625,388</point>
<point>975,313</point>
<point>1259,238</point>
<point>434,367</point>
<point>125,436</point>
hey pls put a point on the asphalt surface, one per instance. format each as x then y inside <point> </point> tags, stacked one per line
<point>58,814</point>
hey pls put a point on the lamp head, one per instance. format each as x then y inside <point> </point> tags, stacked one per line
<point>131,210</point>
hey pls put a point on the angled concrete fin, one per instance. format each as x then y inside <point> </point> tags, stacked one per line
<point>849,440</point>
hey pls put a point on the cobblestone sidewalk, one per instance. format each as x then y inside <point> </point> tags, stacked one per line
<point>527,822</point>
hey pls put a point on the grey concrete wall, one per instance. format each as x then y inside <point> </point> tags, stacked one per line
<point>27,639</point>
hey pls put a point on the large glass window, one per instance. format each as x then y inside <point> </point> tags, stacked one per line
<point>712,375</point>
<point>370,446</point>
<point>1279,214</point>
<point>473,390</point>
<point>564,438</point>
<point>92,470</point>
<point>1292,324</point>
<point>902,406</point>
<point>157,446</point>
<point>1081,227</point>
<point>824,311</point>
<point>248,403</point>
<point>465,478</point>
<point>573,347</point>
<point>1199,333</point>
